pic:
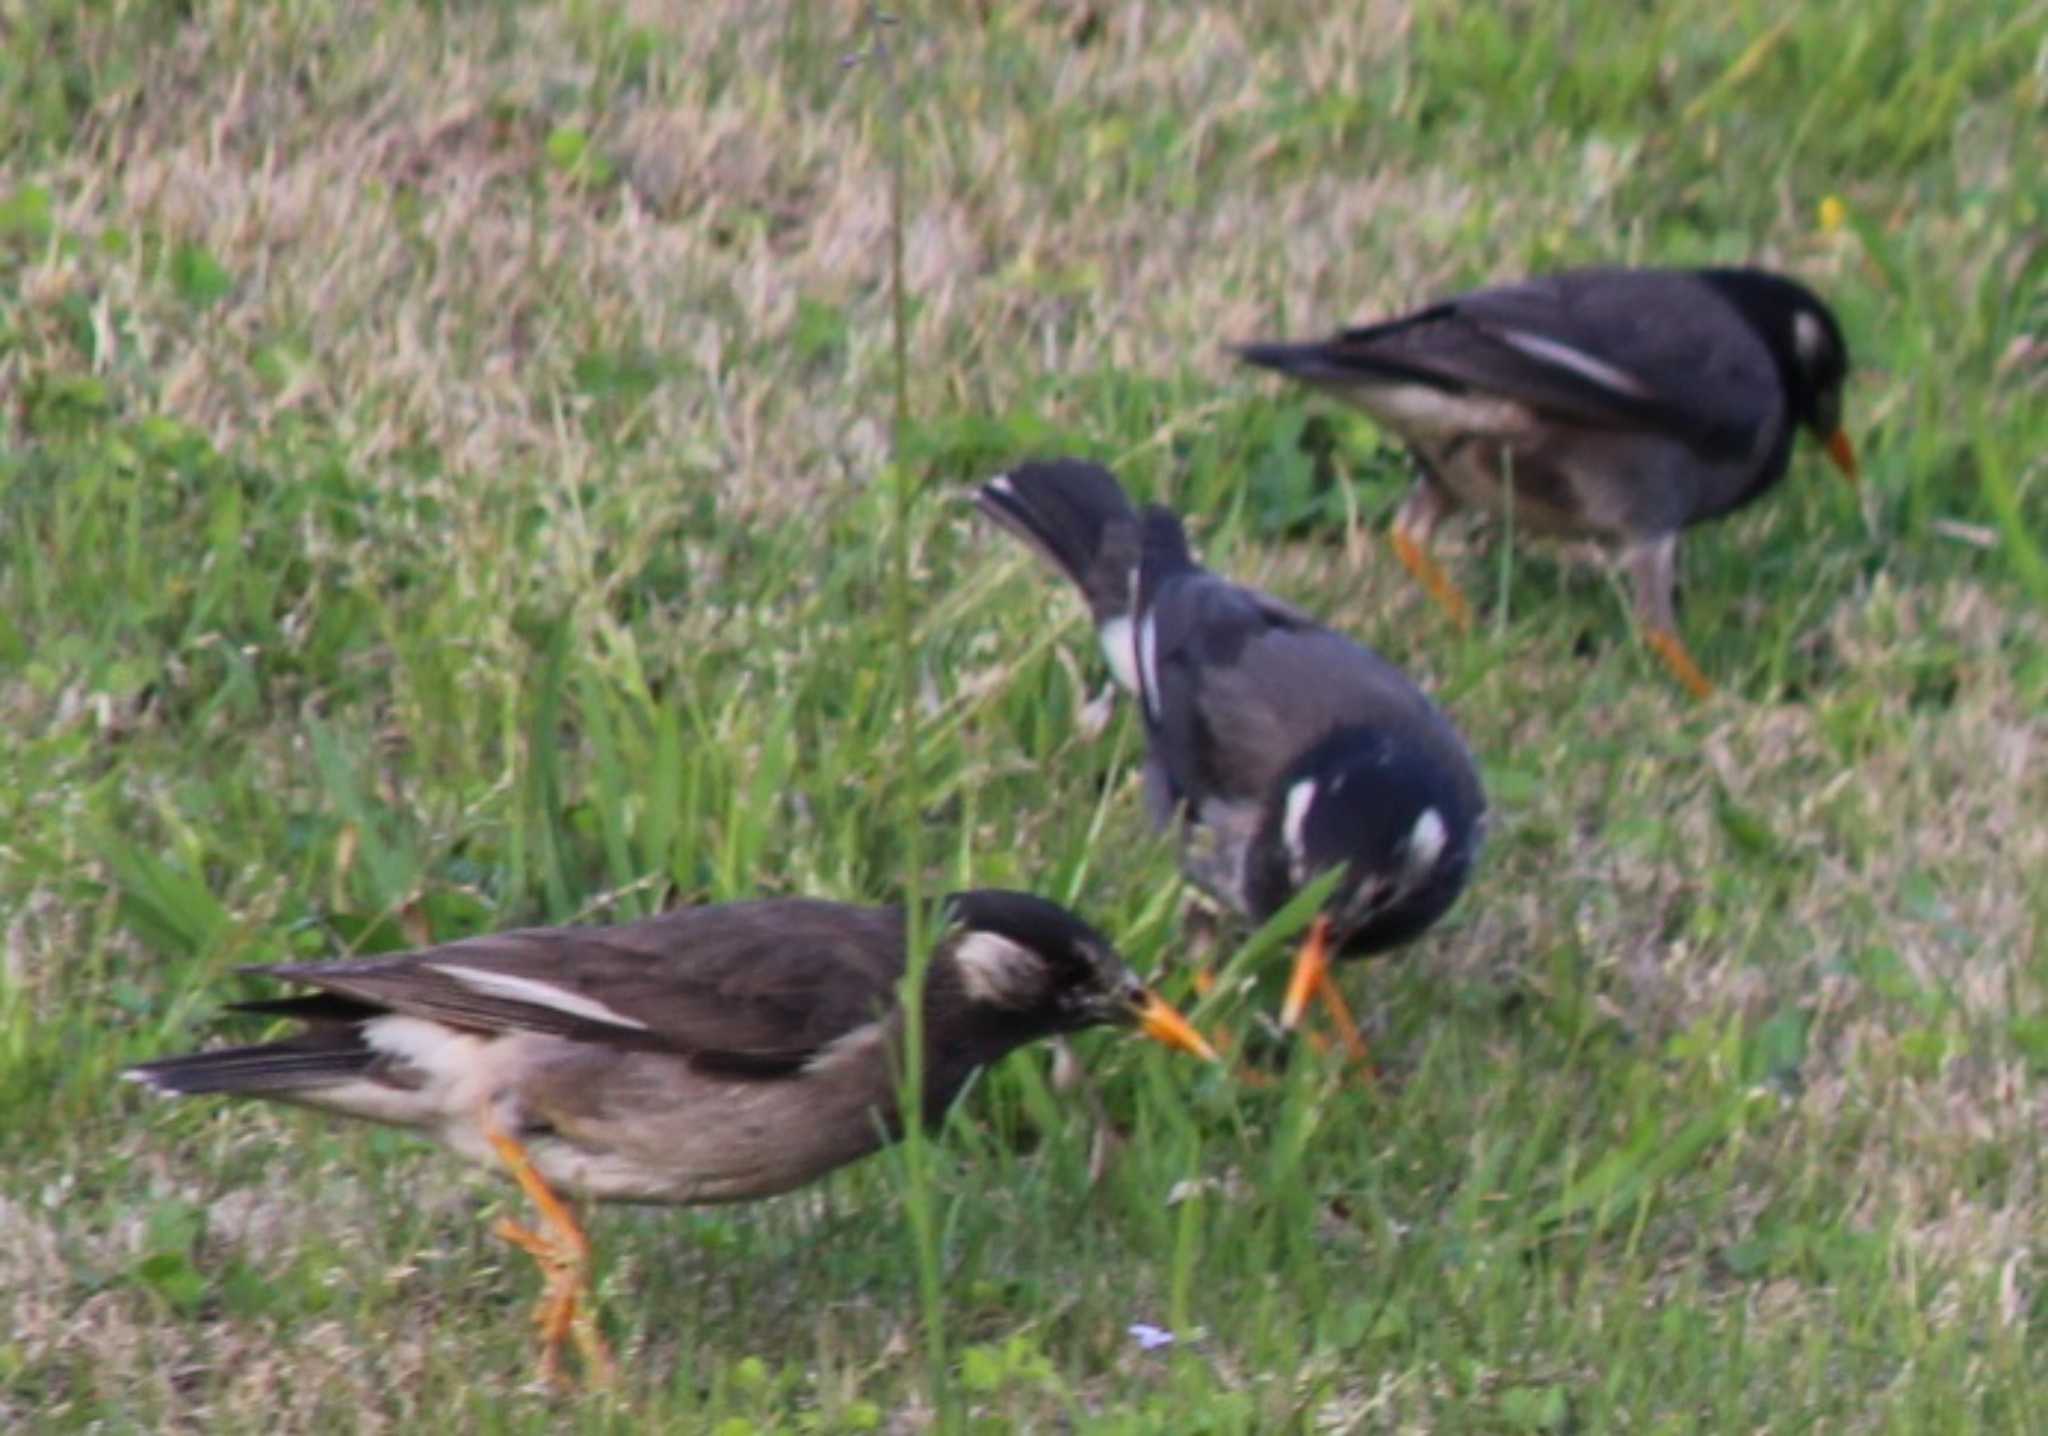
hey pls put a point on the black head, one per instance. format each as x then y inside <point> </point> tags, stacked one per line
<point>1812,355</point>
<point>1034,965</point>
<point>1404,819</point>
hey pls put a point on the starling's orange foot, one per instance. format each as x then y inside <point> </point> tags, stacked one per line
<point>561,1313</point>
<point>563,1253</point>
<point>1432,577</point>
<point>1671,648</point>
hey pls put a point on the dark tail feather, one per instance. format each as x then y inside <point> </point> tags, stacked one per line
<point>1076,515</point>
<point>313,1007</point>
<point>293,1065</point>
<point>1300,361</point>
<point>1347,358</point>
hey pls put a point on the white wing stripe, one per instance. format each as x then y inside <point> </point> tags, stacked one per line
<point>1148,663</point>
<point>535,993</point>
<point>1578,361</point>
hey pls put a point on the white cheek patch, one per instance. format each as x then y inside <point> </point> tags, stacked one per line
<point>1115,634</point>
<point>1578,361</point>
<point>1809,338</point>
<point>997,972</point>
<point>535,993</point>
<point>1294,817</point>
<point>1425,842</point>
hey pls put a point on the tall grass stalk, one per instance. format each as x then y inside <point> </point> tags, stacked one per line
<point>918,1198</point>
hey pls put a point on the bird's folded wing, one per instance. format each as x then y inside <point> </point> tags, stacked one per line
<point>1245,684</point>
<point>749,987</point>
<point>1646,351</point>
<point>1217,702</point>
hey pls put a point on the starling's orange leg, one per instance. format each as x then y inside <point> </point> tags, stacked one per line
<point>1671,648</point>
<point>563,1252</point>
<point>1312,976</point>
<point>1652,565</point>
<point>1420,513</point>
<point>1843,453</point>
<point>1431,576</point>
<point>1347,1025</point>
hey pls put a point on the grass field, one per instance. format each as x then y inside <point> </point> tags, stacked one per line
<point>446,483</point>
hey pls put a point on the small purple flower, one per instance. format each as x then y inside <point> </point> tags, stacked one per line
<point>1150,1337</point>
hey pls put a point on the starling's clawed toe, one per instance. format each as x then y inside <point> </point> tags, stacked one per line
<point>564,1310</point>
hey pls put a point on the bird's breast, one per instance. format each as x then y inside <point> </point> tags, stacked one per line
<point>713,1141</point>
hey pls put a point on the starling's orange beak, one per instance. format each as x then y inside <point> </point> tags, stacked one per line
<point>1843,455</point>
<point>1158,1020</point>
